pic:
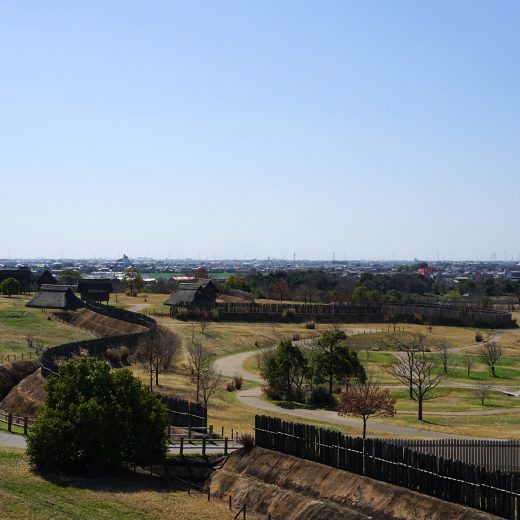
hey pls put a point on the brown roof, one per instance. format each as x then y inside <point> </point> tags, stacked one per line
<point>55,297</point>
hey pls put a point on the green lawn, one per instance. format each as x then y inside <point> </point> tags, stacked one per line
<point>26,494</point>
<point>31,321</point>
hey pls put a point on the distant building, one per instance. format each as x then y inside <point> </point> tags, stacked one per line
<point>23,275</point>
<point>56,297</point>
<point>426,271</point>
<point>200,293</point>
<point>46,278</point>
<point>96,290</point>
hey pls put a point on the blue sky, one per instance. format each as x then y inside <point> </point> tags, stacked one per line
<point>375,129</point>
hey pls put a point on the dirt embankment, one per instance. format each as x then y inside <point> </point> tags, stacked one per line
<point>292,488</point>
<point>12,373</point>
<point>26,398</point>
<point>99,324</point>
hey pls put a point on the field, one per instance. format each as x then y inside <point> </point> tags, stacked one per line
<point>25,494</point>
<point>16,321</point>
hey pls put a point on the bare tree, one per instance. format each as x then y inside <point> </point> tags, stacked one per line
<point>367,399</point>
<point>409,346</point>
<point>157,352</point>
<point>200,361</point>
<point>171,344</point>
<point>37,345</point>
<point>424,374</point>
<point>490,353</point>
<point>444,351</point>
<point>203,326</point>
<point>468,363</point>
<point>482,391</point>
<point>210,380</point>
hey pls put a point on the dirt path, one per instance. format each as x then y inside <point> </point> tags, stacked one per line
<point>137,307</point>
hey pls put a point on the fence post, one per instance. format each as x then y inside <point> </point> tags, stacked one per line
<point>209,493</point>
<point>245,507</point>
<point>226,446</point>
<point>230,500</point>
<point>25,426</point>
<point>182,446</point>
<point>169,432</point>
<point>9,422</point>
<point>203,446</point>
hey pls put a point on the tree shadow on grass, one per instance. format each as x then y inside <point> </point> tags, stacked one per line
<point>123,482</point>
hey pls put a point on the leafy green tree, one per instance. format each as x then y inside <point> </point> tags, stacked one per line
<point>10,286</point>
<point>95,421</point>
<point>284,369</point>
<point>235,281</point>
<point>333,361</point>
<point>133,280</point>
<point>69,277</point>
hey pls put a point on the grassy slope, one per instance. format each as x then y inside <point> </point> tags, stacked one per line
<point>24,494</point>
<point>14,330</point>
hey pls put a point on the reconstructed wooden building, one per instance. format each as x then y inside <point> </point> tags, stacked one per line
<point>54,296</point>
<point>23,275</point>
<point>201,293</point>
<point>95,289</point>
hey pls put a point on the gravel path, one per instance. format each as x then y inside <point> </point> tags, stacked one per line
<point>12,440</point>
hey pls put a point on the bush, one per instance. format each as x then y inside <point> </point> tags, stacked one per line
<point>310,324</point>
<point>95,421</point>
<point>215,316</point>
<point>230,386</point>
<point>237,381</point>
<point>318,396</point>
<point>296,337</point>
<point>114,356</point>
<point>125,354</point>
<point>479,337</point>
<point>247,440</point>
<point>272,393</point>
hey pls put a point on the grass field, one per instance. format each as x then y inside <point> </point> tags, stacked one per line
<point>14,329</point>
<point>25,494</point>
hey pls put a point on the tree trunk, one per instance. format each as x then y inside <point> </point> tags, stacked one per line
<point>156,375</point>
<point>493,370</point>
<point>419,412</point>
<point>364,428</point>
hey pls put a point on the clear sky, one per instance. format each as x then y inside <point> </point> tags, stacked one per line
<point>375,129</point>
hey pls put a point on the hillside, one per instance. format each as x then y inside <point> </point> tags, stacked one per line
<point>25,494</point>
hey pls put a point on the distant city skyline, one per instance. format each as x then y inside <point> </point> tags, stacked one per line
<point>375,130</point>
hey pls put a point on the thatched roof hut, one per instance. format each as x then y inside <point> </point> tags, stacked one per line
<point>199,293</point>
<point>56,297</point>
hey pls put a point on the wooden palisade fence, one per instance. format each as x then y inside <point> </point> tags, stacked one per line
<point>455,481</point>
<point>348,312</point>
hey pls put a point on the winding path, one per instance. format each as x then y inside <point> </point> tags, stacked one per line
<point>252,397</point>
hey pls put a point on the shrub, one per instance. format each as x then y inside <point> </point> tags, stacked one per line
<point>238,381</point>
<point>479,337</point>
<point>125,354</point>
<point>272,393</point>
<point>318,396</point>
<point>230,386</point>
<point>247,440</point>
<point>95,421</point>
<point>310,324</point>
<point>114,356</point>
<point>296,337</point>
<point>215,316</point>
